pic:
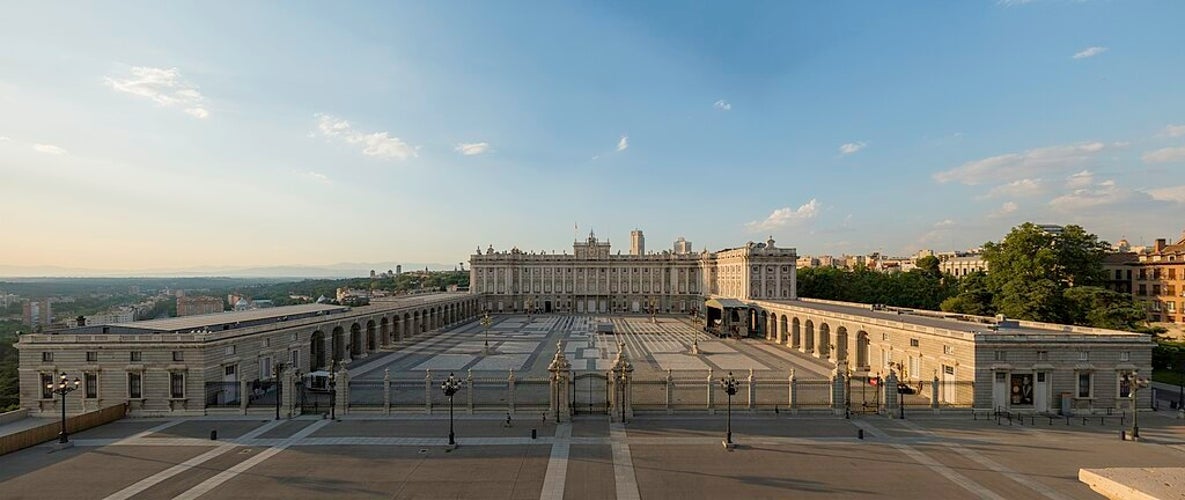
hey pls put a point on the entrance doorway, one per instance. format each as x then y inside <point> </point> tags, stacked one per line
<point>1041,392</point>
<point>547,306</point>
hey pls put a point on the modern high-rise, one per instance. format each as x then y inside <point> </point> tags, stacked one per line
<point>682,246</point>
<point>637,243</point>
<point>37,313</point>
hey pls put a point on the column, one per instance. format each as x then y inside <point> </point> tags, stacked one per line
<point>561,370</point>
<point>288,395</point>
<point>711,393</point>
<point>343,390</point>
<point>387,391</point>
<point>793,396</point>
<point>890,396</point>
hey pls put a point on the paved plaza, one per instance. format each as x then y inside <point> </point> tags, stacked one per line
<point>527,344</point>
<point>653,457</point>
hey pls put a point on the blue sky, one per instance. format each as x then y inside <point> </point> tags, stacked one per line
<point>145,136</point>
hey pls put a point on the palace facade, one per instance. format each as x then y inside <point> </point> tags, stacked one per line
<point>592,279</point>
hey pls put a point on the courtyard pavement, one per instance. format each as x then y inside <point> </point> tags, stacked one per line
<point>651,456</point>
<point>527,345</point>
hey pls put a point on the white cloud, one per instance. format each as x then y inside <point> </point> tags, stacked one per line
<point>1080,180</point>
<point>1166,155</point>
<point>49,149</point>
<point>722,105</point>
<point>316,176</point>
<point>165,87</point>
<point>786,216</point>
<point>1104,193</point>
<point>1173,193</point>
<point>4,138</point>
<point>1012,3</point>
<point>1007,208</point>
<point>623,143</point>
<point>1089,52</point>
<point>373,144</point>
<point>1013,166</point>
<point>1174,130</point>
<point>472,148</point>
<point>1017,188</point>
<point>851,147</point>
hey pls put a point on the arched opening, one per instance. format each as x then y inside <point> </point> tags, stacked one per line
<point>404,330</point>
<point>782,330</point>
<point>371,336</point>
<point>339,343</point>
<point>795,334</point>
<point>824,349</point>
<point>317,349</point>
<point>862,349</point>
<point>385,331</point>
<point>415,324</point>
<point>841,344</point>
<point>763,325</point>
<point>808,344</point>
<point>355,340</point>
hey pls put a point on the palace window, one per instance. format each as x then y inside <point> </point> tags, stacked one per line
<point>1042,355</point>
<point>134,388</point>
<point>47,386</point>
<point>134,356</point>
<point>913,342</point>
<point>47,357</point>
<point>177,385</point>
<point>1085,384</point>
<point>92,356</point>
<point>178,356</point>
<point>999,356</point>
<point>91,385</point>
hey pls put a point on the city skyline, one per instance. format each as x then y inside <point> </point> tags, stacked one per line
<point>188,136</point>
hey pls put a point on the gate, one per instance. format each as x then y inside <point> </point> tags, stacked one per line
<point>590,394</point>
<point>312,401</point>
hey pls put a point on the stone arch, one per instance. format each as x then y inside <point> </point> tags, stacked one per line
<point>371,336</point>
<point>415,323</point>
<point>841,344</point>
<point>355,340</point>
<point>782,330</point>
<point>385,331</point>
<point>317,350</point>
<point>338,343</point>
<point>404,330</point>
<point>808,343</point>
<point>763,325</point>
<point>795,333</point>
<point>862,349</point>
<point>824,350</point>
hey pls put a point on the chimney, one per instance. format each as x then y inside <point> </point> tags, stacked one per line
<point>1160,244</point>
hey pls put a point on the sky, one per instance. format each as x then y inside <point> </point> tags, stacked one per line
<point>150,135</point>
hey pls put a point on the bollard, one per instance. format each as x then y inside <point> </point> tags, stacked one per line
<point>860,433</point>
<point>213,435</point>
<point>533,434</point>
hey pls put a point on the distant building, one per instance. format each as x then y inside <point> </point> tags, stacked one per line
<point>1118,267</point>
<point>37,312</point>
<point>1160,281</point>
<point>963,265</point>
<point>398,269</point>
<point>125,315</point>
<point>682,246</point>
<point>637,243</point>
<point>198,304</point>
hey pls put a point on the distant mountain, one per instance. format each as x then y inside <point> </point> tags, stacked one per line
<point>340,270</point>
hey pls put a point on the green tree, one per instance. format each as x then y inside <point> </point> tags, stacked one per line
<point>1030,270</point>
<point>929,265</point>
<point>1099,307</point>
<point>974,296</point>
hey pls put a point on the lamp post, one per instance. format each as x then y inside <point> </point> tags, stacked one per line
<point>450,387</point>
<point>485,328</point>
<point>729,384</point>
<point>333,390</point>
<point>1181,387</point>
<point>62,388</point>
<point>1135,383</point>
<point>277,372</point>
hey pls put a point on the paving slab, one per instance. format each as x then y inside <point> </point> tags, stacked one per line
<point>393,472</point>
<point>200,429</point>
<point>84,472</point>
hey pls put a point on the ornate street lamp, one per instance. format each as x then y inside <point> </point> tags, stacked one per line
<point>485,328</point>
<point>450,387</point>
<point>333,390</point>
<point>277,372</point>
<point>1135,383</point>
<point>729,384</point>
<point>62,388</point>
